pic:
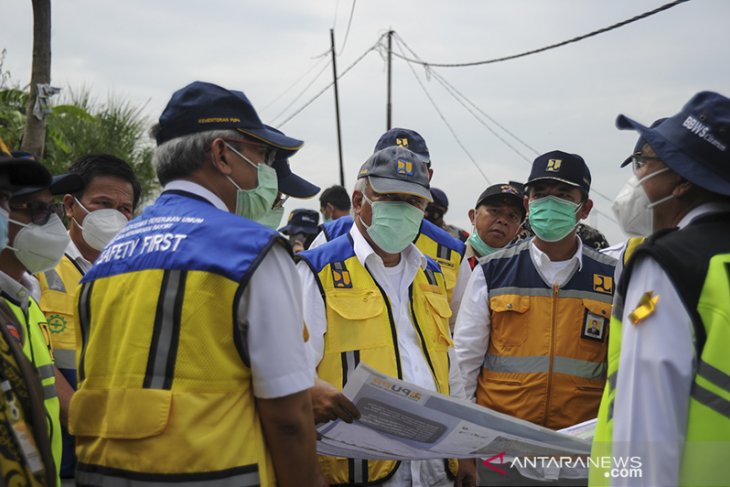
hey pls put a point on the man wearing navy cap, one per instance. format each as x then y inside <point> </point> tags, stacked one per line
<point>302,227</point>
<point>670,368</point>
<point>190,321</point>
<point>436,210</point>
<point>385,306</point>
<point>522,335</point>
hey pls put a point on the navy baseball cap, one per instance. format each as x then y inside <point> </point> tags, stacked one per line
<point>302,221</point>
<point>289,183</point>
<point>397,170</point>
<point>695,142</point>
<point>410,139</point>
<point>561,166</point>
<point>22,168</point>
<point>640,143</point>
<point>202,107</point>
<point>511,193</point>
<point>60,184</point>
<point>439,198</point>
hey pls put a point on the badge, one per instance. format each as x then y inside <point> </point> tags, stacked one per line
<point>594,327</point>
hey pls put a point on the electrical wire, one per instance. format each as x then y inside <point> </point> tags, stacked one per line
<point>448,125</point>
<point>329,85</point>
<point>290,87</point>
<point>347,31</point>
<point>301,93</point>
<point>546,48</point>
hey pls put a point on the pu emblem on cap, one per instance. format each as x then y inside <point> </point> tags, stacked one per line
<point>506,188</point>
<point>405,167</point>
<point>401,142</point>
<point>553,165</point>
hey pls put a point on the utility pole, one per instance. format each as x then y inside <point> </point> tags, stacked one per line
<point>337,107</point>
<point>389,108</point>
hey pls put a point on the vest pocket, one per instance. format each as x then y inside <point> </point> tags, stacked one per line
<point>509,322</point>
<point>440,312</point>
<point>356,320</point>
<point>126,414</point>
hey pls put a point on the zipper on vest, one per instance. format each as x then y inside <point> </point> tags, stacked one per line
<point>424,348</point>
<point>556,292</point>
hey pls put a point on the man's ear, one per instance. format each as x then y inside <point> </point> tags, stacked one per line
<point>472,214</point>
<point>585,209</point>
<point>68,205</point>
<point>357,201</point>
<point>526,204</point>
<point>218,157</point>
<point>682,188</point>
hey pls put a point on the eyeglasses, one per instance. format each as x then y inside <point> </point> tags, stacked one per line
<point>503,213</point>
<point>638,161</point>
<point>266,153</point>
<point>40,211</point>
<point>280,202</point>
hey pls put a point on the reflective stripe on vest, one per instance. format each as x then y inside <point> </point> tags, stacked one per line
<point>541,364</point>
<point>707,397</point>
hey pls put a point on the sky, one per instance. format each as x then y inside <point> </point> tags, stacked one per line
<point>566,98</point>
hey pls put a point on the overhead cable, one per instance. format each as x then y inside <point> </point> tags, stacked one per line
<point>301,93</point>
<point>323,90</point>
<point>319,58</point>
<point>347,31</point>
<point>448,125</point>
<point>546,48</point>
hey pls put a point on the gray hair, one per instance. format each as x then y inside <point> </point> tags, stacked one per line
<point>362,185</point>
<point>182,156</point>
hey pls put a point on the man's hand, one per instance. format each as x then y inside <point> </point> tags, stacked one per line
<point>467,474</point>
<point>329,404</point>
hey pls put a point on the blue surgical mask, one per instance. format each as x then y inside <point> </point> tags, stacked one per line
<point>553,218</point>
<point>4,223</point>
<point>479,245</point>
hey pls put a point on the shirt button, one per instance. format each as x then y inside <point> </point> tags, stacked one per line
<point>509,305</point>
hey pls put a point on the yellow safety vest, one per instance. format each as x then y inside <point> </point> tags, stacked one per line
<point>361,328</point>
<point>37,348</point>
<point>58,288</point>
<point>448,251</point>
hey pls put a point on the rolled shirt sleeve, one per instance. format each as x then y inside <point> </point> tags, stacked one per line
<point>271,307</point>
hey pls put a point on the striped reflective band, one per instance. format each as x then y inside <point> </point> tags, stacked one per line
<point>349,362</point>
<point>547,293</point>
<point>45,371</point>
<point>443,252</point>
<point>246,479</point>
<point>49,391</point>
<point>65,359</point>
<point>54,281</point>
<point>541,365</point>
<point>707,397</point>
<point>611,379</point>
<point>358,471</point>
<point>84,317</point>
<point>166,333</point>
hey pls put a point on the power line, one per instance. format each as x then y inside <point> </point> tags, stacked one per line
<point>546,48</point>
<point>319,58</point>
<point>323,90</point>
<point>448,125</point>
<point>301,93</point>
<point>347,31</point>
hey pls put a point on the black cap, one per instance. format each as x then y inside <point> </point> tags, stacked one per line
<point>561,166</point>
<point>397,170</point>
<point>440,198</point>
<point>289,183</point>
<point>302,221</point>
<point>410,139</point>
<point>511,193</point>
<point>22,168</point>
<point>61,184</point>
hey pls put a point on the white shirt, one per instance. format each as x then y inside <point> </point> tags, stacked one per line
<point>413,363</point>
<point>656,370</point>
<point>271,304</point>
<point>320,239</point>
<point>73,253</point>
<point>471,334</point>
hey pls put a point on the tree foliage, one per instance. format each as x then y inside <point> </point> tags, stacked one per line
<point>80,125</point>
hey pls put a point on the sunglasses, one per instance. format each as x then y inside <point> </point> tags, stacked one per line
<point>40,211</point>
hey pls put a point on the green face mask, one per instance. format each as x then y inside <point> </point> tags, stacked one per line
<point>395,224</point>
<point>272,218</point>
<point>255,203</point>
<point>553,218</point>
<point>481,247</point>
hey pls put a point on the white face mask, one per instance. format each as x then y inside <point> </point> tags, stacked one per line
<point>633,208</point>
<point>40,247</point>
<point>100,226</point>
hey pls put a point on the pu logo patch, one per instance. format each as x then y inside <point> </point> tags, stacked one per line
<point>602,284</point>
<point>506,188</point>
<point>405,168</point>
<point>553,165</point>
<point>342,279</point>
<point>401,142</point>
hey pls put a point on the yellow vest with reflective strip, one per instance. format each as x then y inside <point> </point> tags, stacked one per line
<point>58,288</point>
<point>170,384</point>
<point>37,348</point>
<point>361,328</point>
<point>449,260</point>
<point>604,425</point>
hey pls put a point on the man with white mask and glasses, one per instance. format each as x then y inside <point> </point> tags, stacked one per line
<point>37,239</point>
<point>95,214</point>
<point>666,400</point>
<point>524,336</point>
<point>190,326</point>
<point>371,296</point>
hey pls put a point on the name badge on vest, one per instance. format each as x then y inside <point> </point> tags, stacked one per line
<point>594,327</point>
